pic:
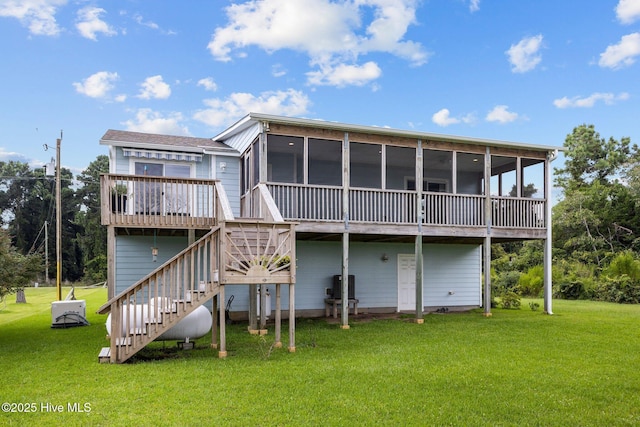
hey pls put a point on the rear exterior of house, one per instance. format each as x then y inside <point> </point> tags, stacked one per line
<point>385,208</point>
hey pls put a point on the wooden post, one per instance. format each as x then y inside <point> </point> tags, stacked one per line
<point>223,334</point>
<point>345,281</point>
<point>292,318</point>
<point>418,243</point>
<point>278,338</point>
<point>548,285</point>
<point>345,235</point>
<point>487,239</point>
<point>111,262</point>
<point>253,308</point>
<point>58,222</point>
<point>214,322</point>
<point>263,307</point>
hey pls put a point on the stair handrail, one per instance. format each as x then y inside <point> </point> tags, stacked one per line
<point>106,307</point>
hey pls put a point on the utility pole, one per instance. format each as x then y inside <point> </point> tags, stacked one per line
<point>58,220</point>
<point>46,252</point>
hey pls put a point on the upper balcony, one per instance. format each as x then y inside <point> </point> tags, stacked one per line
<point>396,207</point>
<point>162,202</point>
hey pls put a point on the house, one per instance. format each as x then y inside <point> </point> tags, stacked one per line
<point>303,203</point>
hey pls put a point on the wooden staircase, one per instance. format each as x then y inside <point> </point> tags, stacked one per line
<point>250,251</point>
<point>157,302</point>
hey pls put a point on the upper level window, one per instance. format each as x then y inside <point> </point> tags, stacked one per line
<point>469,173</point>
<point>365,165</point>
<point>285,159</point>
<point>325,162</point>
<point>533,178</point>
<point>400,166</point>
<point>437,170</point>
<point>503,176</point>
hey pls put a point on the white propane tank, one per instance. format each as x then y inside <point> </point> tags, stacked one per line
<point>195,325</point>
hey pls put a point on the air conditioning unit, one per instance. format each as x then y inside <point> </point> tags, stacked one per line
<point>65,314</point>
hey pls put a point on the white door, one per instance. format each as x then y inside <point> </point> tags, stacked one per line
<point>406,282</point>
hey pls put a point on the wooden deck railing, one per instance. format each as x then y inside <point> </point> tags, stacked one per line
<point>324,203</point>
<point>256,252</point>
<point>149,201</point>
<point>157,302</point>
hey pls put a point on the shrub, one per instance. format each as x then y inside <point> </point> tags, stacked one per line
<point>510,299</point>
<point>532,282</point>
<point>621,289</point>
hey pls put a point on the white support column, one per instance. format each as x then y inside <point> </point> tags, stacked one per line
<point>345,235</point>
<point>487,239</point>
<point>345,281</point>
<point>548,242</point>
<point>418,242</point>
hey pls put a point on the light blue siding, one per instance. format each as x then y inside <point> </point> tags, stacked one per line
<point>230,179</point>
<point>452,275</point>
<point>134,260</point>
<point>447,267</point>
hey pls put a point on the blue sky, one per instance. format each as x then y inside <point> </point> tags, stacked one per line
<point>526,70</point>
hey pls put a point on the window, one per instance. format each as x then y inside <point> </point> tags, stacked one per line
<point>285,157</point>
<point>469,173</point>
<point>400,163</point>
<point>365,165</point>
<point>325,162</point>
<point>437,170</point>
<point>503,176</point>
<point>532,178</point>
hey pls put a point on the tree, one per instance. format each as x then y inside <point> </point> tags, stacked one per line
<point>27,200</point>
<point>16,270</point>
<point>598,216</point>
<point>590,158</point>
<point>93,242</point>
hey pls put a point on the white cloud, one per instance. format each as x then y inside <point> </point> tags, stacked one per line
<point>221,112</point>
<point>524,55</point>
<point>154,88</point>
<point>622,54</point>
<point>97,85</point>
<point>150,24</point>
<point>37,15</point>
<point>628,11</point>
<point>150,121</point>
<point>474,5</point>
<point>501,115</point>
<point>588,102</point>
<point>208,84</point>
<point>344,75</point>
<point>277,70</point>
<point>443,118</point>
<point>339,37</point>
<point>89,23</point>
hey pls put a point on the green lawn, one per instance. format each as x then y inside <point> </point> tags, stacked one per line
<point>579,367</point>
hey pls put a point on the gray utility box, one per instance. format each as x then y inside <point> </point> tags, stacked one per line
<point>68,313</point>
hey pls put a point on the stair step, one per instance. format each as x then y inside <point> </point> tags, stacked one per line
<point>122,341</point>
<point>105,355</point>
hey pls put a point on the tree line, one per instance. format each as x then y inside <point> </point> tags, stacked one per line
<point>27,203</point>
<point>596,225</point>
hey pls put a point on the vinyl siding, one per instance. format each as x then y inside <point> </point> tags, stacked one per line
<point>452,268</point>
<point>230,179</point>
<point>447,267</point>
<point>134,260</point>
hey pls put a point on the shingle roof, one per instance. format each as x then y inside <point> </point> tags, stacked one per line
<point>183,143</point>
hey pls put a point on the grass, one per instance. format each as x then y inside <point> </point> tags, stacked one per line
<point>518,367</point>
